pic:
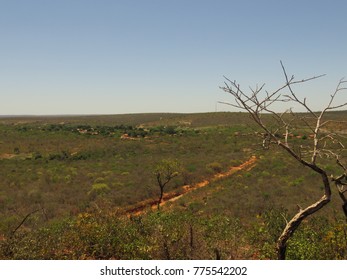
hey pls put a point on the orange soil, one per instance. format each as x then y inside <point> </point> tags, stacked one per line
<point>139,208</point>
<point>7,156</point>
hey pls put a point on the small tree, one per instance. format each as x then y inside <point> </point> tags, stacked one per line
<point>164,172</point>
<point>278,129</point>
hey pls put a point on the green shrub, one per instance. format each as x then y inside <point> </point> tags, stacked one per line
<point>319,240</point>
<point>99,180</point>
<point>37,155</point>
<point>170,130</point>
<point>214,167</point>
<point>297,182</point>
<point>98,189</point>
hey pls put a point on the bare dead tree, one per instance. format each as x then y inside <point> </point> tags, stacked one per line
<point>323,143</point>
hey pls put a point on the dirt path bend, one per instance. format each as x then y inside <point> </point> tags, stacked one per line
<point>140,208</point>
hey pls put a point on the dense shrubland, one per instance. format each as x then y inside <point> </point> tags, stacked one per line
<point>174,235</point>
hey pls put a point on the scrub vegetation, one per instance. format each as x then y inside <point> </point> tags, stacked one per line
<point>68,185</point>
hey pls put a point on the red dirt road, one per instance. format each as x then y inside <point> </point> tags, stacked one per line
<point>139,208</point>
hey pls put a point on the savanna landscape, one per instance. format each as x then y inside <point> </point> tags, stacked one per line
<point>88,187</point>
<point>173,130</point>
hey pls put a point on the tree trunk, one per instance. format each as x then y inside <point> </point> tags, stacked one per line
<point>340,185</point>
<point>344,200</point>
<point>344,207</point>
<point>161,196</point>
<point>294,223</point>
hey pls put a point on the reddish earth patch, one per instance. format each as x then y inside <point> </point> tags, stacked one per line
<point>7,156</point>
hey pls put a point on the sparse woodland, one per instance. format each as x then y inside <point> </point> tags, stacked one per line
<point>67,185</point>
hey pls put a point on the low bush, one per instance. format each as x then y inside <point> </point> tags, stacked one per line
<point>214,167</point>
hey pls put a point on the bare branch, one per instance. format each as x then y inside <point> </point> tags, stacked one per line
<point>320,145</point>
<point>23,221</point>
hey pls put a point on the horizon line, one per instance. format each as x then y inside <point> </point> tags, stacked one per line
<point>142,113</point>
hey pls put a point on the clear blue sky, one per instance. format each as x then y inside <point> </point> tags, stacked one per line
<point>127,56</point>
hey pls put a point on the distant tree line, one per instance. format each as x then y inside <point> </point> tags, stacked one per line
<point>130,130</point>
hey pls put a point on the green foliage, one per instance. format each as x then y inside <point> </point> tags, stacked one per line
<point>63,155</point>
<point>157,235</point>
<point>214,167</point>
<point>297,182</point>
<point>99,180</point>
<point>266,230</point>
<point>72,166</point>
<point>37,155</point>
<point>98,189</point>
<point>319,240</point>
<point>170,130</point>
<point>167,168</point>
<point>315,239</point>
